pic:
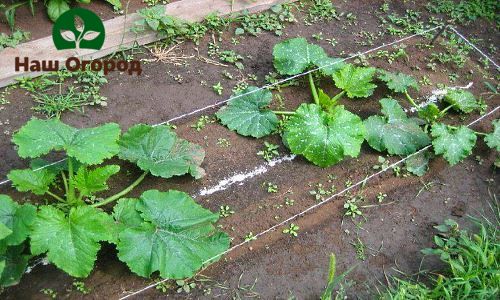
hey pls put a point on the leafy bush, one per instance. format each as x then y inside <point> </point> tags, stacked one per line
<point>69,230</point>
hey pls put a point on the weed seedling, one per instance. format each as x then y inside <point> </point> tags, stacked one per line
<point>289,202</point>
<point>292,230</point>
<point>185,286</point>
<point>224,143</point>
<point>250,237</point>
<point>80,287</point>
<point>351,208</point>
<point>218,88</point>
<point>380,197</point>
<point>360,247</point>
<point>202,122</point>
<point>269,152</point>
<point>271,187</point>
<point>320,192</point>
<point>163,286</point>
<point>49,293</point>
<point>225,211</point>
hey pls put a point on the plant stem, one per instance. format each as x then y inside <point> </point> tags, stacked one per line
<point>285,113</point>
<point>55,196</point>
<point>71,188</point>
<point>445,110</point>
<point>314,92</point>
<point>122,193</point>
<point>65,182</point>
<point>410,99</point>
<point>337,97</point>
<point>475,132</point>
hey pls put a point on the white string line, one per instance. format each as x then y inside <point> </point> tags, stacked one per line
<point>293,217</point>
<point>474,46</point>
<point>216,104</point>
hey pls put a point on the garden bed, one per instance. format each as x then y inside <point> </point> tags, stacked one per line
<point>280,263</point>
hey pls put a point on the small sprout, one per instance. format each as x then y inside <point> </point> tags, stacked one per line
<point>49,293</point>
<point>348,183</point>
<point>224,143</point>
<point>185,286</point>
<point>270,151</point>
<point>351,208</point>
<point>321,192</point>
<point>360,249</point>
<point>250,237</point>
<point>293,230</point>
<point>289,202</point>
<point>163,286</point>
<point>227,75</point>
<point>271,187</point>
<point>479,160</point>
<point>225,211</point>
<point>202,122</point>
<point>80,286</point>
<point>381,197</point>
<point>383,164</point>
<point>218,88</point>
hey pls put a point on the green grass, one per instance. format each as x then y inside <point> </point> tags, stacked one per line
<point>472,265</point>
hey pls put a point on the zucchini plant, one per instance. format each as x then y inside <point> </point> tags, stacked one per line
<point>159,231</point>
<point>324,132</point>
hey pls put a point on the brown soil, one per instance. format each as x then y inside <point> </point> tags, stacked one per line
<point>393,232</point>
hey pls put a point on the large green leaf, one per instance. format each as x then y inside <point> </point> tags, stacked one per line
<point>87,145</point>
<point>398,82</point>
<point>493,139</point>
<point>13,264</point>
<point>394,131</point>
<point>159,151</point>
<point>175,236</point>
<point>461,100</point>
<point>55,8</point>
<point>17,219</point>
<point>329,65</point>
<point>248,115</point>
<point>295,55</point>
<point>89,182</point>
<point>38,182</point>
<point>355,81</point>
<point>454,144</point>
<point>71,241</point>
<point>418,163</point>
<point>324,138</point>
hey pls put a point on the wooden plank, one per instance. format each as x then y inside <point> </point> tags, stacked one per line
<point>118,34</point>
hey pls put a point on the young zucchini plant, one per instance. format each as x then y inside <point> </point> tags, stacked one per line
<point>455,143</point>
<point>324,132</point>
<point>161,231</point>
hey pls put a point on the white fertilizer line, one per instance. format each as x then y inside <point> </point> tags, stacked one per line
<point>240,177</point>
<point>293,217</point>
<point>216,104</point>
<point>474,46</point>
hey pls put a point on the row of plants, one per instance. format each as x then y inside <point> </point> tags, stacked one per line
<point>70,221</point>
<point>325,132</point>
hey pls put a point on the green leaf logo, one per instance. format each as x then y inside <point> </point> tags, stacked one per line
<point>78,28</point>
